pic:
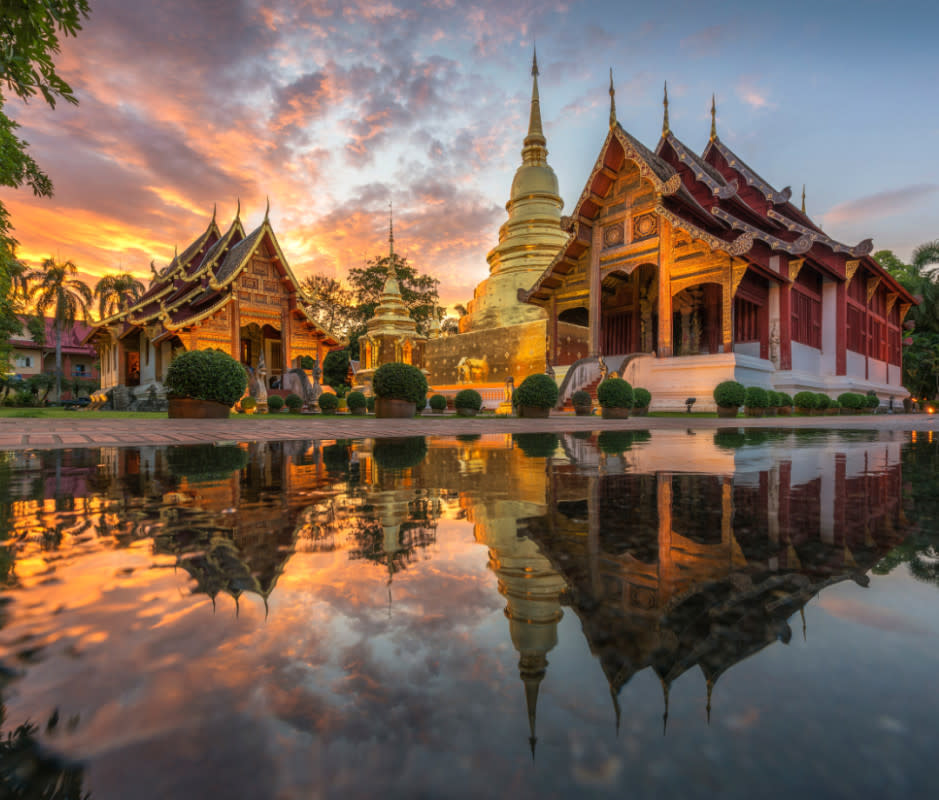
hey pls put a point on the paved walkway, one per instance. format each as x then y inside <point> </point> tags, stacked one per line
<point>86,431</point>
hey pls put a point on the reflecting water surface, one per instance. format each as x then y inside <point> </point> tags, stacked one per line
<point>691,614</point>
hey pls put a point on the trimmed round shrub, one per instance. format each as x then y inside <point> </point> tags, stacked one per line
<point>468,398</point>
<point>206,462</point>
<point>336,370</point>
<point>356,400</point>
<point>468,438</point>
<point>832,403</point>
<point>206,375</point>
<point>805,399</point>
<point>730,439</point>
<point>641,397</point>
<point>615,393</point>
<point>370,403</point>
<point>822,401</point>
<point>581,398</point>
<point>293,401</point>
<point>397,381</point>
<point>401,453</point>
<point>872,400</point>
<point>730,394</point>
<point>328,403</point>
<point>247,403</point>
<point>785,401</point>
<point>772,399</point>
<point>438,402</point>
<point>614,442</point>
<point>536,445</point>
<point>275,402</point>
<point>307,362</point>
<point>852,400</point>
<point>756,397</point>
<point>538,390</point>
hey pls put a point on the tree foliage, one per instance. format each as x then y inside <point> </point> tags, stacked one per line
<point>330,304</point>
<point>116,292</point>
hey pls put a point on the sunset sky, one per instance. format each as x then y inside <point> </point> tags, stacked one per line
<point>335,107</point>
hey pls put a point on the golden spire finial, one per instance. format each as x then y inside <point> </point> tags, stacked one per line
<point>665,128</point>
<point>391,233</point>
<point>612,100</point>
<point>267,210</point>
<point>713,117</point>
<point>214,209</point>
<point>238,210</point>
<point>665,688</point>
<point>803,198</point>
<point>710,690</point>
<point>535,131</point>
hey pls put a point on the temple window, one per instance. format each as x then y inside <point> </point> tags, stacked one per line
<point>746,321</point>
<point>806,319</point>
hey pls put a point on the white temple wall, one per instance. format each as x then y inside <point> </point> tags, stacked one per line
<point>147,361</point>
<point>828,362</point>
<point>854,365</point>
<point>807,359</point>
<point>751,349</point>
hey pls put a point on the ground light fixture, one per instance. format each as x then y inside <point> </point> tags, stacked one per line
<point>689,403</point>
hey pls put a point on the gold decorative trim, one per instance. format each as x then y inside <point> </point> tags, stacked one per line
<point>170,325</point>
<point>737,247</point>
<point>795,267</point>
<point>892,298</point>
<point>850,267</point>
<point>737,271</point>
<point>904,310</point>
<point>872,284</point>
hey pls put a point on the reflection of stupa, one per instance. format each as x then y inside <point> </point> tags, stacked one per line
<point>501,336</point>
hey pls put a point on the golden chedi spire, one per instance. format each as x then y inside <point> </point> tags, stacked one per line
<point>803,198</point>
<point>665,128</point>
<point>528,240</point>
<point>713,117</point>
<point>612,100</point>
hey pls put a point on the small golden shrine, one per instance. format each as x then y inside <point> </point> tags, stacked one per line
<point>391,334</point>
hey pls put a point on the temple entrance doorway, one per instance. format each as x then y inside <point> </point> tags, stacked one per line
<point>696,320</point>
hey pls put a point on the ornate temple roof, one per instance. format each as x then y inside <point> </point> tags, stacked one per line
<point>199,282</point>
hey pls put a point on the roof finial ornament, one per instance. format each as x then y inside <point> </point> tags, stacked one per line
<point>534,60</point>
<point>665,128</point>
<point>391,233</point>
<point>713,117</point>
<point>267,211</point>
<point>803,198</point>
<point>238,210</point>
<point>535,138</point>
<point>710,690</point>
<point>214,209</point>
<point>612,100</point>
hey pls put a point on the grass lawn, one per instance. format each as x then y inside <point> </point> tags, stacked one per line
<point>62,413</point>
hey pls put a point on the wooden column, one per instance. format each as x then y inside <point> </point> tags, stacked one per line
<point>664,344</point>
<point>595,289</point>
<point>841,329</point>
<point>664,506</point>
<point>785,327</point>
<point>727,312</point>
<point>636,319</point>
<point>235,328</point>
<point>285,338</point>
<point>553,330</point>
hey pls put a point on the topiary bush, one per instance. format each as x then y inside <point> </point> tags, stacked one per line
<point>641,397</point>
<point>438,402</point>
<point>468,398</point>
<point>397,381</point>
<point>247,403</point>
<point>538,391</point>
<point>370,403</point>
<point>852,400</point>
<point>336,371</point>
<point>206,375</point>
<point>804,400</point>
<point>536,445</point>
<point>400,453</point>
<point>307,362</point>
<point>872,401</point>
<point>756,397</point>
<point>275,402</point>
<point>356,400</point>
<point>785,401</point>
<point>615,393</point>
<point>293,401</point>
<point>328,403</point>
<point>581,398</point>
<point>730,394</point>
<point>206,462</point>
<point>614,442</point>
<point>822,401</point>
<point>772,399</point>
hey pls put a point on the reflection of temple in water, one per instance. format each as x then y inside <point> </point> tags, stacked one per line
<point>670,570</point>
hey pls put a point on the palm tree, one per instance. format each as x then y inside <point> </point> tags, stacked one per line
<point>926,255</point>
<point>117,292</point>
<point>56,291</point>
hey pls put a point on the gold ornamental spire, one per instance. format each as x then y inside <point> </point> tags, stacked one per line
<point>612,100</point>
<point>534,150</point>
<point>713,117</point>
<point>391,233</point>
<point>803,198</point>
<point>665,128</point>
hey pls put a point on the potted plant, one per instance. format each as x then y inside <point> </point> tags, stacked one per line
<point>729,396</point>
<point>642,399</point>
<point>850,403</point>
<point>204,384</point>
<point>399,390</point>
<point>328,403</point>
<point>249,405</point>
<point>536,396</point>
<point>822,402</point>
<point>755,401</point>
<point>294,403</point>
<point>834,408</point>
<point>356,403</point>
<point>399,453</point>
<point>582,402</point>
<point>438,403</point>
<point>275,403</point>
<point>468,402</point>
<point>872,402</point>
<point>784,409</point>
<point>772,403</point>
<point>370,403</point>
<point>615,397</point>
<point>804,402</point>
<point>536,445</point>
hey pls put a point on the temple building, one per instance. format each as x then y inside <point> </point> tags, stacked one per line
<point>683,270</point>
<point>501,336</point>
<point>233,291</point>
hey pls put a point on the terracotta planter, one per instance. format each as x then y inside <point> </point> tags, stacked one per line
<point>784,411</point>
<point>615,413</point>
<point>466,412</point>
<point>640,411</point>
<point>727,412</point>
<point>358,412</point>
<point>296,410</point>
<point>533,412</point>
<point>806,412</point>
<point>753,412</point>
<point>832,412</point>
<point>189,408</point>
<point>583,411</point>
<point>771,412</point>
<point>436,410</point>
<point>390,408</point>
